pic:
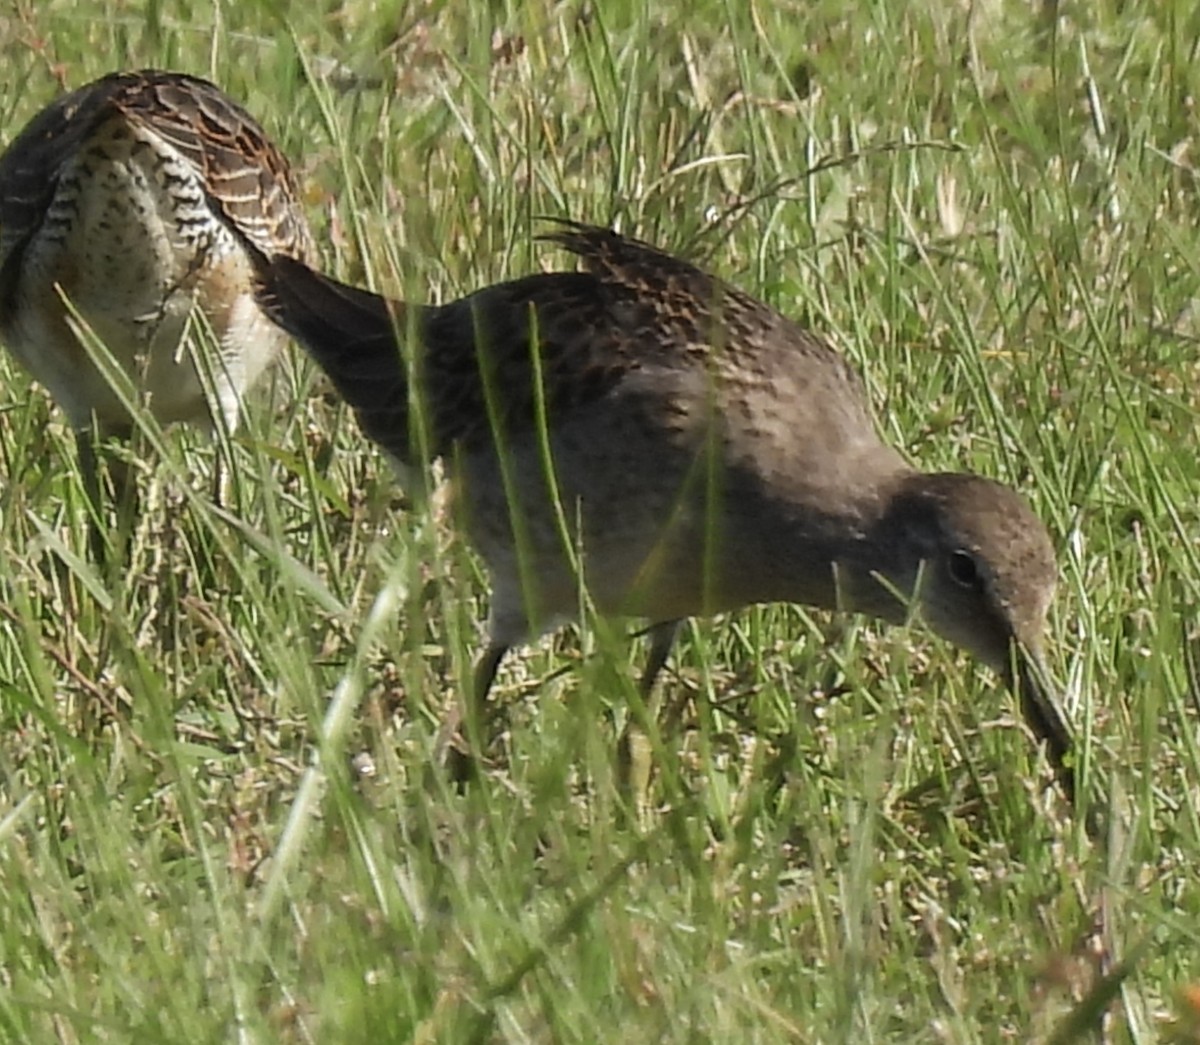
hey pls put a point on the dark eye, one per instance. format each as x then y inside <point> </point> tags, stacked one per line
<point>964,569</point>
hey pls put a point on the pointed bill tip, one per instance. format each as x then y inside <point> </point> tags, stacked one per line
<point>1039,704</point>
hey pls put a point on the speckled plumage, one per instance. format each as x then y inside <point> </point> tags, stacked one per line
<point>708,453</point>
<point>133,197</point>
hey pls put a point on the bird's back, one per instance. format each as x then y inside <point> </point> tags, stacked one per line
<point>553,344</point>
<point>660,397</point>
<point>770,379</point>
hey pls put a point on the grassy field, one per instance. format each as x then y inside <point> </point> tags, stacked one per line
<point>216,817</point>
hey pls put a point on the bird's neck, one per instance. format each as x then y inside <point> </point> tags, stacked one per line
<point>879,568</point>
<point>841,554</point>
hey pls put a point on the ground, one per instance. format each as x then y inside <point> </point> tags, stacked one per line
<point>218,816</point>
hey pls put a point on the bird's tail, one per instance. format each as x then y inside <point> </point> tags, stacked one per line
<point>353,335</point>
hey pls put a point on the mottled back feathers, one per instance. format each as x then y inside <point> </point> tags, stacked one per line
<point>573,335</point>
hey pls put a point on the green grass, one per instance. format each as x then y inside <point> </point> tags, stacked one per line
<point>216,817</point>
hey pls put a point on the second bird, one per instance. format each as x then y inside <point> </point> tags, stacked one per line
<point>131,198</point>
<point>681,449</point>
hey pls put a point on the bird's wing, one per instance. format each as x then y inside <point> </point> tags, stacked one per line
<point>550,343</point>
<point>719,319</point>
<point>497,360</point>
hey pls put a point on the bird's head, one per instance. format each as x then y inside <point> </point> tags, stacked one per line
<point>972,560</point>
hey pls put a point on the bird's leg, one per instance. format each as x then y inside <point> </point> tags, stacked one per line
<point>222,479</point>
<point>481,685</point>
<point>634,750</point>
<point>125,498</point>
<point>472,716</point>
<point>89,468</point>
<point>106,544</point>
<point>225,421</point>
<point>662,638</point>
<point>221,495</point>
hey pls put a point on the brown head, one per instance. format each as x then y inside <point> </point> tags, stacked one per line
<point>982,570</point>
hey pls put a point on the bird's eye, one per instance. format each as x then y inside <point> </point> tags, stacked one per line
<point>964,569</point>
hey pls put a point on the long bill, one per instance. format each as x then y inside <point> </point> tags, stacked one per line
<point>1031,681</point>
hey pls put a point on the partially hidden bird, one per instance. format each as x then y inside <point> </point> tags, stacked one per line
<point>125,210</point>
<point>675,446</point>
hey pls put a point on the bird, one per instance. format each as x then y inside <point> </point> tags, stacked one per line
<point>679,448</point>
<point>127,203</point>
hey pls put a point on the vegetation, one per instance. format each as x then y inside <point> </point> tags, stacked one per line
<point>218,815</point>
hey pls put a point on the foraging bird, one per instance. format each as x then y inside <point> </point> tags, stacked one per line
<point>133,198</point>
<point>681,447</point>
